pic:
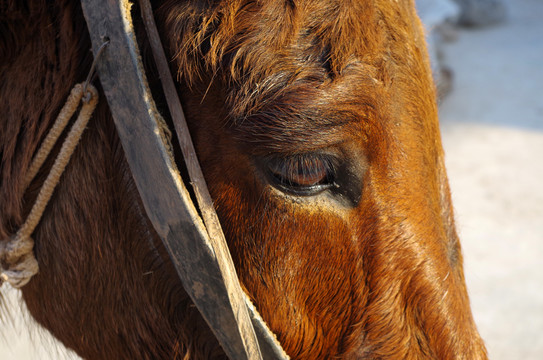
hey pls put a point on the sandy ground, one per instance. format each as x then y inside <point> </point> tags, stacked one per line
<point>492,127</point>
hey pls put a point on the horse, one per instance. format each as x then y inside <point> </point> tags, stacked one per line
<point>316,128</point>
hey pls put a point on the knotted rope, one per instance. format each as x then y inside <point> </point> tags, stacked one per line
<point>17,261</point>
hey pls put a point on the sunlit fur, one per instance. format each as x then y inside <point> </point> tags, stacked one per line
<point>378,277</point>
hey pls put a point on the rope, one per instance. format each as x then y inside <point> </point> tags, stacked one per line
<point>17,261</point>
<point>62,120</point>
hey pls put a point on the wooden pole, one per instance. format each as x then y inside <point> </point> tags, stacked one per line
<point>202,263</point>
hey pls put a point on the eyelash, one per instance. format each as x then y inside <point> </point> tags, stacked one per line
<point>303,174</point>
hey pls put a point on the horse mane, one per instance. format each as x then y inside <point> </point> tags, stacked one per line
<point>246,30</point>
<point>263,47</point>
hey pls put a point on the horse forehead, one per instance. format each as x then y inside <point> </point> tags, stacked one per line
<point>332,49</point>
<point>329,37</point>
<point>250,36</point>
<point>288,55</point>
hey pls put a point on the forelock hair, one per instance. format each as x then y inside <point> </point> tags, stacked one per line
<point>269,45</point>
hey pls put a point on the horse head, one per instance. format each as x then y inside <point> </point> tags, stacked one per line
<point>315,124</point>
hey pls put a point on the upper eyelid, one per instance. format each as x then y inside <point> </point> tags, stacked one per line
<point>324,156</point>
<point>329,161</point>
<point>303,170</point>
<point>299,167</point>
<point>288,180</point>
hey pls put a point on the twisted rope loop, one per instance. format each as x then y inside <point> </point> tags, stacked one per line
<point>17,261</point>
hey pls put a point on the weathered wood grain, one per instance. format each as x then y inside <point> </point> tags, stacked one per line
<point>202,263</point>
<point>269,346</point>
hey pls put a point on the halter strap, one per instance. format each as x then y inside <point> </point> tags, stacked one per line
<point>199,255</point>
<point>270,347</point>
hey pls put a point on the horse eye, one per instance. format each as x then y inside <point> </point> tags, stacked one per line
<point>302,174</point>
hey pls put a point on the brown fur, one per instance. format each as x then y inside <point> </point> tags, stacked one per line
<point>377,278</point>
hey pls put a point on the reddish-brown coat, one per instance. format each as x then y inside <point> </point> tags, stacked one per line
<point>376,278</point>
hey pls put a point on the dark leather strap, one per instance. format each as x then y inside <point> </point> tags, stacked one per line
<point>202,261</point>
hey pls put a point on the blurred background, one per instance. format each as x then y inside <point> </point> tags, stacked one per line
<point>487,58</point>
<point>490,73</point>
<point>492,128</point>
